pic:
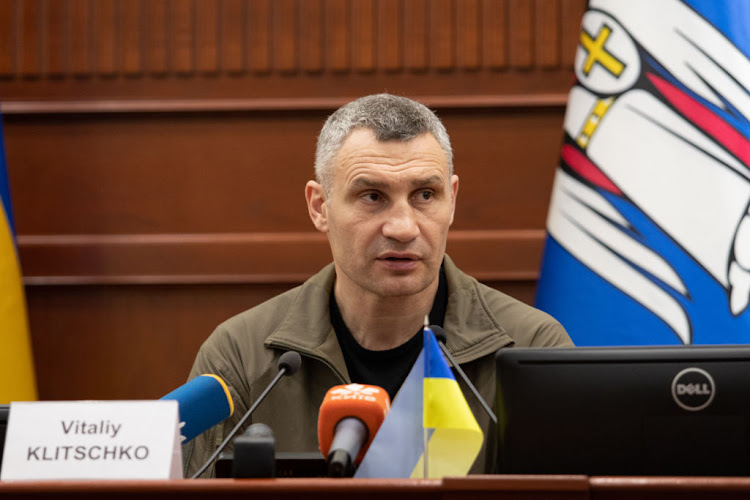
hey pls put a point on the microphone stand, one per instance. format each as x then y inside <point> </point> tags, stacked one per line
<point>284,367</point>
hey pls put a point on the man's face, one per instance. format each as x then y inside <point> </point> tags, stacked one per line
<point>387,214</point>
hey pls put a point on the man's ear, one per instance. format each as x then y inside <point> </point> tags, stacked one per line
<point>454,195</point>
<point>316,205</point>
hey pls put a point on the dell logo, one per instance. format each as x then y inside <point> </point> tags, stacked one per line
<point>693,389</point>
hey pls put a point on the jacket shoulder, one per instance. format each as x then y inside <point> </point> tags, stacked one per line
<point>526,325</point>
<point>237,344</point>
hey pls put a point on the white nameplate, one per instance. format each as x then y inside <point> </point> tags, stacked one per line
<point>92,440</point>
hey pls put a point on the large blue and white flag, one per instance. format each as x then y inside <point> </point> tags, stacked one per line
<point>648,229</point>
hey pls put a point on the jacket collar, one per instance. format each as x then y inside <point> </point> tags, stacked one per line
<point>472,331</point>
<point>306,326</point>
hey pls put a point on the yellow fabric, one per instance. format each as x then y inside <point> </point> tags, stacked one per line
<point>17,380</point>
<point>457,438</point>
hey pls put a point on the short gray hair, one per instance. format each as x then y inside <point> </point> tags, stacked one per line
<point>390,117</point>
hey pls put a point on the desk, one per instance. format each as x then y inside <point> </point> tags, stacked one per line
<point>661,488</point>
<point>468,488</point>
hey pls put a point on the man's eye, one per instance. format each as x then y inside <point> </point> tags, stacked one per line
<point>372,197</point>
<point>425,195</point>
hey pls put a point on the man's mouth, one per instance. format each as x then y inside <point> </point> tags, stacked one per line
<point>400,262</point>
<point>399,257</point>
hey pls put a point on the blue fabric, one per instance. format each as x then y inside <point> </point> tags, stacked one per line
<point>5,185</point>
<point>436,365</point>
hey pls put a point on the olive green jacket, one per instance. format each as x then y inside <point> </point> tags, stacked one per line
<point>245,349</point>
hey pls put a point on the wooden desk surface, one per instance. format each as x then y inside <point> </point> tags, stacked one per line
<point>473,488</point>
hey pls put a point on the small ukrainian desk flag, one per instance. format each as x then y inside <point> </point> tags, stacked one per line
<point>430,430</point>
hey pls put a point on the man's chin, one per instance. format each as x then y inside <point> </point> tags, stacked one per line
<point>401,286</point>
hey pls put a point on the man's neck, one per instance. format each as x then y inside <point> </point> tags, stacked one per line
<point>379,323</point>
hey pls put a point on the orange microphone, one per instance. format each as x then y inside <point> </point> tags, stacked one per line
<point>349,418</point>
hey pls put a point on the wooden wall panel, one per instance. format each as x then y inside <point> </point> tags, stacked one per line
<point>181,36</point>
<point>547,31</point>
<point>285,36</point>
<point>8,45</point>
<point>131,26</point>
<point>156,48</point>
<point>338,39</point>
<point>202,173</point>
<point>207,41</point>
<point>30,48</point>
<point>259,35</point>
<point>415,38</point>
<point>468,34</point>
<point>158,149</point>
<point>390,40</point>
<point>441,42</point>
<point>54,20</point>
<point>495,45</point>
<point>521,33</point>
<point>106,48</point>
<point>190,33</point>
<point>311,36</point>
<point>232,29</point>
<point>218,49</point>
<point>363,36</point>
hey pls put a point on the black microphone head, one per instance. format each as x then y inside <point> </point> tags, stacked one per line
<point>290,361</point>
<point>254,453</point>
<point>258,430</point>
<point>439,333</point>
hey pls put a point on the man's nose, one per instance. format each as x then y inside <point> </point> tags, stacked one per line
<point>401,223</point>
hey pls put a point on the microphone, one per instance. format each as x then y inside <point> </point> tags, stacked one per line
<point>349,418</point>
<point>442,338</point>
<point>288,364</point>
<point>203,402</point>
<point>255,453</point>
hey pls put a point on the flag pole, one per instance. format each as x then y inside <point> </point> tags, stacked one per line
<point>425,432</point>
<point>424,435</point>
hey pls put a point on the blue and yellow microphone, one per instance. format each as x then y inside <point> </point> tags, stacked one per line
<point>203,402</point>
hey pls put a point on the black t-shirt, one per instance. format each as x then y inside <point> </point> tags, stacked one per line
<point>387,369</point>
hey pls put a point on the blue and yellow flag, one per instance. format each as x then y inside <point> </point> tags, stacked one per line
<point>456,438</point>
<point>17,381</point>
<point>429,412</point>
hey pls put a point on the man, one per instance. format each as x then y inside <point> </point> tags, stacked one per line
<point>385,196</point>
